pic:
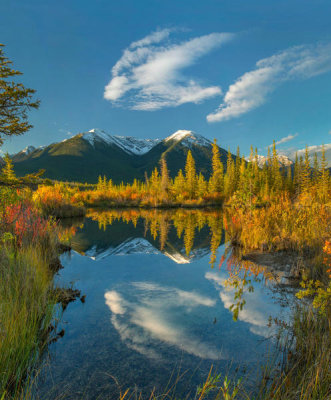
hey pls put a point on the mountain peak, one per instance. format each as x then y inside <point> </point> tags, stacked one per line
<point>283,160</point>
<point>28,149</point>
<point>129,144</point>
<point>188,138</point>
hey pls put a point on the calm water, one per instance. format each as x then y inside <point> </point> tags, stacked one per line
<point>157,304</point>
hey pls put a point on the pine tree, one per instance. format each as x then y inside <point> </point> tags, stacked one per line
<point>305,174</point>
<point>289,181</point>
<point>217,179</point>
<point>154,181</point>
<point>179,184</point>
<point>237,168</point>
<point>190,175</point>
<point>276,177</point>
<point>7,171</point>
<point>229,178</point>
<point>202,186</point>
<point>164,176</point>
<point>324,177</point>
<point>316,172</point>
<point>296,176</point>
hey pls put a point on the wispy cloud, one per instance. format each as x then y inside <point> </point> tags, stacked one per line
<point>150,70</point>
<point>284,139</point>
<point>251,89</point>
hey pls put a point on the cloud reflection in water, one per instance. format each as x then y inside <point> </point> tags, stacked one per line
<point>155,314</point>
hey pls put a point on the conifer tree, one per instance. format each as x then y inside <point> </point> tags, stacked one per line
<point>7,171</point>
<point>154,181</point>
<point>229,178</point>
<point>237,167</point>
<point>202,186</point>
<point>305,174</point>
<point>217,178</point>
<point>275,172</point>
<point>289,181</point>
<point>190,175</point>
<point>296,176</point>
<point>324,177</point>
<point>316,171</point>
<point>164,176</point>
<point>179,184</point>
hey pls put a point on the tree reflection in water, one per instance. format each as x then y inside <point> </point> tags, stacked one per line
<point>188,224</point>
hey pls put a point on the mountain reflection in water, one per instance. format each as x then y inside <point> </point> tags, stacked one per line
<point>162,292</point>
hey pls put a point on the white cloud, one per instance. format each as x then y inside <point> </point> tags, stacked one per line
<point>284,139</point>
<point>313,149</point>
<point>150,70</point>
<point>251,89</point>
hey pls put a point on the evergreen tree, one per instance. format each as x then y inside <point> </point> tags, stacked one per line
<point>164,176</point>
<point>237,168</point>
<point>316,170</point>
<point>289,181</point>
<point>229,178</point>
<point>7,171</point>
<point>305,174</point>
<point>190,175</point>
<point>296,177</point>
<point>276,177</point>
<point>217,178</point>
<point>202,186</point>
<point>179,184</point>
<point>324,177</point>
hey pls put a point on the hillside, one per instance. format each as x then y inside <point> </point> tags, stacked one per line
<point>87,155</point>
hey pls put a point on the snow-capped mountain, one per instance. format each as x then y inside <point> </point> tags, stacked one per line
<point>87,155</point>
<point>130,145</point>
<point>283,161</point>
<point>28,150</point>
<point>187,138</point>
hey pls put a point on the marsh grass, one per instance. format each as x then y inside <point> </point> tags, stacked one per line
<point>306,372</point>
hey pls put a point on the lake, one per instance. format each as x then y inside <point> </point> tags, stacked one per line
<point>160,306</point>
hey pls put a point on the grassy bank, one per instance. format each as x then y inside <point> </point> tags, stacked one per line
<point>28,247</point>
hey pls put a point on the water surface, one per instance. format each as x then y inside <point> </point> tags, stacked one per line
<point>158,304</point>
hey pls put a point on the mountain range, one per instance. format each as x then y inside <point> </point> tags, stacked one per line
<point>85,156</point>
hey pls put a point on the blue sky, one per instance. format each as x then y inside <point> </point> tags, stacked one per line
<point>244,72</point>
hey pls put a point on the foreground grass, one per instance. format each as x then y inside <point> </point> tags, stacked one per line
<point>28,244</point>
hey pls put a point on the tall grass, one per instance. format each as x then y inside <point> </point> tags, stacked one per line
<point>28,243</point>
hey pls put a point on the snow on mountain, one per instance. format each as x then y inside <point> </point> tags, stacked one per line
<point>28,150</point>
<point>130,145</point>
<point>283,161</point>
<point>187,138</point>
